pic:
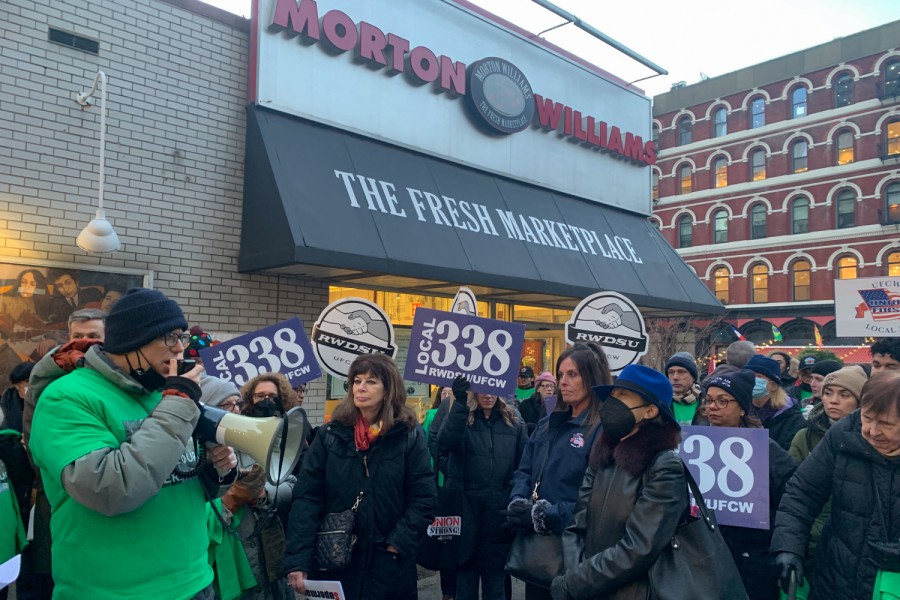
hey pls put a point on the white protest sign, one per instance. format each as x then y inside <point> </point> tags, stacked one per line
<point>867,307</point>
<point>464,302</point>
<point>613,321</point>
<point>348,328</point>
<point>332,590</point>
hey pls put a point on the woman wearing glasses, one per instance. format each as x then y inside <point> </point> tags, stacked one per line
<point>728,403</point>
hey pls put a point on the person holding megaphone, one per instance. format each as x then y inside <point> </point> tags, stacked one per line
<point>126,479</point>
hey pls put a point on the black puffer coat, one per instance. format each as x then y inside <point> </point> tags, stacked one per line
<point>532,410</point>
<point>397,508</point>
<point>750,547</point>
<point>864,488</point>
<point>482,460</point>
<point>633,495</point>
<point>785,424</point>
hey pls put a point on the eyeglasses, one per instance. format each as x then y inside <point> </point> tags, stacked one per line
<point>300,390</point>
<point>718,402</point>
<point>231,405</point>
<point>261,397</point>
<point>173,337</point>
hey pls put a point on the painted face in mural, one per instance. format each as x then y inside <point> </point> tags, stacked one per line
<point>67,286</point>
<point>109,299</point>
<point>27,285</point>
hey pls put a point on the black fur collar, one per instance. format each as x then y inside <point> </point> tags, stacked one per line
<point>636,453</point>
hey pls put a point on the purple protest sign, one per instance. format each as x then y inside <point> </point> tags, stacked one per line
<point>283,348</point>
<point>444,345</point>
<point>731,466</point>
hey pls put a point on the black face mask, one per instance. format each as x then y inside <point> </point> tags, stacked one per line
<point>616,418</point>
<point>148,378</point>
<point>266,408</point>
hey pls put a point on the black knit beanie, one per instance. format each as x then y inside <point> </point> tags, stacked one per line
<point>684,360</point>
<point>138,318</point>
<point>738,383</point>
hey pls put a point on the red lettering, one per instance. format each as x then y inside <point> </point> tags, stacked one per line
<point>567,126</point>
<point>592,132</point>
<point>340,31</point>
<point>615,140</point>
<point>425,65</point>
<point>603,139</point>
<point>371,44</point>
<point>578,127</point>
<point>399,47</point>
<point>650,153</point>
<point>634,146</point>
<point>453,77</point>
<point>296,19</point>
<point>549,112</point>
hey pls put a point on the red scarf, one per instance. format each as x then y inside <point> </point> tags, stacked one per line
<point>364,434</point>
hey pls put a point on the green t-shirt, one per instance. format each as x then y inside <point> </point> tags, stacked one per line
<point>524,393</point>
<point>158,550</point>
<point>12,533</point>
<point>684,413</point>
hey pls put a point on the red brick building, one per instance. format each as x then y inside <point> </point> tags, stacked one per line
<point>775,180</point>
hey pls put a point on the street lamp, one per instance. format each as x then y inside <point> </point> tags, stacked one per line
<point>98,237</point>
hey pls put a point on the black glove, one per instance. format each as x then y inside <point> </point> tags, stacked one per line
<point>558,589</point>
<point>518,514</point>
<point>786,562</point>
<point>460,387</point>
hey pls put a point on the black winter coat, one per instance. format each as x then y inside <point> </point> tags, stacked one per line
<point>750,547</point>
<point>397,508</point>
<point>784,425</point>
<point>482,460</point>
<point>631,500</point>
<point>864,488</point>
<point>532,410</point>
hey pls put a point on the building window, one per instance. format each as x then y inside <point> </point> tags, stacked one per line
<point>893,264</point>
<point>759,284</point>
<point>655,179</point>
<point>892,78</point>
<point>798,102</point>
<point>757,113</point>
<point>800,216</point>
<point>720,172</point>
<point>893,138</point>
<point>685,231</point>
<point>758,221</point>
<point>685,176</point>
<point>720,122</point>
<point>758,165</point>
<point>656,135</point>
<point>845,148</point>
<point>847,267</point>
<point>846,209</point>
<point>893,203</point>
<point>720,227</point>
<point>655,224</point>
<point>799,152</point>
<point>801,271</point>
<point>721,280</point>
<point>843,90</point>
<point>684,130</point>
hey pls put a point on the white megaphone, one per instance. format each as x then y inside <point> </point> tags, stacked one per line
<point>275,443</point>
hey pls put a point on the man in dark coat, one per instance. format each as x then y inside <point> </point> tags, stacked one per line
<point>9,358</point>
<point>12,402</point>
<point>857,465</point>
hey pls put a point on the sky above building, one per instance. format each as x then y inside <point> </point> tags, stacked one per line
<point>691,40</point>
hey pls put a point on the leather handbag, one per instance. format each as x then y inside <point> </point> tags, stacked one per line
<point>335,539</point>
<point>696,564</point>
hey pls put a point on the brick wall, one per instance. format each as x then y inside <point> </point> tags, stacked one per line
<point>174,154</point>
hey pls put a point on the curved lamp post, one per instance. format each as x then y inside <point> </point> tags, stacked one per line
<point>98,237</point>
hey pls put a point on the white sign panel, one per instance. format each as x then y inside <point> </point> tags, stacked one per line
<point>613,321</point>
<point>868,307</point>
<point>445,79</point>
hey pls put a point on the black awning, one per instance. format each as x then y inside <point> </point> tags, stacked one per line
<point>315,195</point>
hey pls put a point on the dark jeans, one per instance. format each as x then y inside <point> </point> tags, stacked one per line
<point>448,582</point>
<point>536,592</point>
<point>206,593</point>
<point>492,585</point>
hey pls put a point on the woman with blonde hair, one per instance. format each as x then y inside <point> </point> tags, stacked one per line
<point>777,411</point>
<point>372,456</point>
<point>483,442</point>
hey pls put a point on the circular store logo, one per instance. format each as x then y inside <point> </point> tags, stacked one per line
<point>348,328</point>
<point>614,322</point>
<point>499,95</point>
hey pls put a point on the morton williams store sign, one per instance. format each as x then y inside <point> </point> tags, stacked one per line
<point>467,88</point>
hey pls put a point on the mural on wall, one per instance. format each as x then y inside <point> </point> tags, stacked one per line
<point>37,299</point>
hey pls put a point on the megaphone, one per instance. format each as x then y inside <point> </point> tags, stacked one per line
<point>275,443</point>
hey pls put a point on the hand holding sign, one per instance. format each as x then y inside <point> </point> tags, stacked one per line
<point>282,348</point>
<point>444,345</point>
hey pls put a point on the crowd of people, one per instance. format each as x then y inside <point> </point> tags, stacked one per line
<point>98,450</point>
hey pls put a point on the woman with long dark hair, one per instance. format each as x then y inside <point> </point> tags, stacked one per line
<point>556,455</point>
<point>483,442</point>
<point>372,451</point>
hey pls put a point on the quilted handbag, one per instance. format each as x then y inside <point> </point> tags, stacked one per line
<point>335,540</point>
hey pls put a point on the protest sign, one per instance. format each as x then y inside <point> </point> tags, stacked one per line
<point>282,348</point>
<point>444,345</point>
<point>731,466</point>
<point>614,322</point>
<point>331,590</point>
<point>867,307</point>
<point>348,328</point>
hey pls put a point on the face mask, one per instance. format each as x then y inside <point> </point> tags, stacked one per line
<point>617,419</point>
<point>266,408</point>
<point>759,389</point>
<point>148,378</point>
